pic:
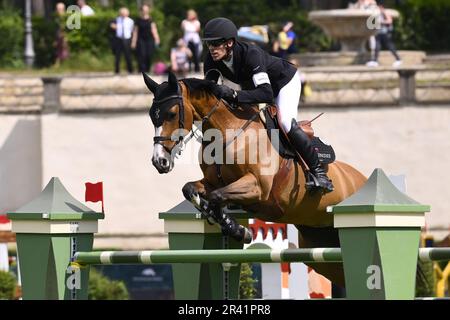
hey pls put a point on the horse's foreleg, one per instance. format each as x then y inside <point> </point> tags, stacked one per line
<point>244,191</point>
<point>195,192</point>
<point>195,189</point>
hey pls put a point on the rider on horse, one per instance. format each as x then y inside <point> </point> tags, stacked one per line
<point>263,78</point>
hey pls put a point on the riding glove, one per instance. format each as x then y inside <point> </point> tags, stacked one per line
<point>226,93</point>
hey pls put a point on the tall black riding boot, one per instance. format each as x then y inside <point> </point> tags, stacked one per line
<point>301,142</point>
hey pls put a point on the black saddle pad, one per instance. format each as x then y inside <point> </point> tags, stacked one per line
<point>325,152</point>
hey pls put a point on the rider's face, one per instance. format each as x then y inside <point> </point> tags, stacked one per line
<point>219,49</point>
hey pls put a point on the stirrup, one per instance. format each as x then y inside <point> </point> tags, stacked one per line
<point>313,184</point>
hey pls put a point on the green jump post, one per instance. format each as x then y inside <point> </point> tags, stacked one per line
<point>49,230</point>
<point>379,230</point>
<point>188,230</point>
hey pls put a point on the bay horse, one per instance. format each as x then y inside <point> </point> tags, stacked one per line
<point>277,196</point>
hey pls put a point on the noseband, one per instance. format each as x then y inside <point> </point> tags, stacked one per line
<point>179,97</point>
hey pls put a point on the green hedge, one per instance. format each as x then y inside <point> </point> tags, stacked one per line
<point>102,288</point>
<point>90,45</point>
<point>424,25</point>
<point>44,36</point>
<point>93,35</point>
<point>247,283</point>
<point>7,285</point>
<point>425,279</point>
<point>12,37</point>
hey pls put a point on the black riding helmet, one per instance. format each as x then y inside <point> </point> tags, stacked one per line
<point>219,28</point>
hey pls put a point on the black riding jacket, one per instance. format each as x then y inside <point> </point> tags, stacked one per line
<point>250,60</point>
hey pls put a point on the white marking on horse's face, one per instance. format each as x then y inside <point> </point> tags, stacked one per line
<point>158,150</point>
<point>161,159</point>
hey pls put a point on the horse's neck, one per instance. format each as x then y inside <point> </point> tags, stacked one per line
<point>222,118</point>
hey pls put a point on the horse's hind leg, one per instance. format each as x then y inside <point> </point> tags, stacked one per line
<point>325,237</point>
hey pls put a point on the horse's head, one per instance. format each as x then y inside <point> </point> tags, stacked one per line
<point>171,121</point>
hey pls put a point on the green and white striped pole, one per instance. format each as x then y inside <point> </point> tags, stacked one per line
<point>209,256</point>
<point>231,256</point>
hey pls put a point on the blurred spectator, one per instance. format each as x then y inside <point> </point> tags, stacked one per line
<point>112,36</point>
<point>384,38</point>
<point>179,58</point>
<point>60,9</point>
<point>145,39</point>
<point>367,5</point>
<point>160,68</point>
<point>85,9</point>
<point>292,36</point>
<point>285,43</point>
<point>191,30</point>
<point>364,4</point>
<point>256,34</point>
<point>61,44</point>
<point>123,25</point>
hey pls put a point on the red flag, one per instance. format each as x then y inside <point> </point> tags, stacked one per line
<point>3,218</point>
<point>94,192</point>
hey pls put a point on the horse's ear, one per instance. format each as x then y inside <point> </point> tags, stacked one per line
<point>173,82</point>
<point>151,85</point>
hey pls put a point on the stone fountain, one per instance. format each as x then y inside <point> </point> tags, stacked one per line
<point>352,28</point>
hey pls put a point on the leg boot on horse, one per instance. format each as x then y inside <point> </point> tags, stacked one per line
<point>303,146</point>
<point>213,212</point>
<point>229,225</point>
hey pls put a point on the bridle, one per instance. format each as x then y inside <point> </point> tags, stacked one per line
<point>179,97</point>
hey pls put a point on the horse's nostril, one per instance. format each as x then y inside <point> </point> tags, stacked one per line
<point>163,162</point>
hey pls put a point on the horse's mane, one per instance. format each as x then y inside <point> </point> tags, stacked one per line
<point>195,84</point>
<point>202,87</point>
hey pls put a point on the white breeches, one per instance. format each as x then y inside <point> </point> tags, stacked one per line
<point>287,101</point>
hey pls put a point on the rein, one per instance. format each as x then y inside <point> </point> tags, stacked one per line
<point>179,96</point>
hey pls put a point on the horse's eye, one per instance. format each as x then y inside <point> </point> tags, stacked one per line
<point>171,116</point>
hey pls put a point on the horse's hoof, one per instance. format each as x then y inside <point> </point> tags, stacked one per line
<point>248,236</point>
<point>189,191</point>
<point>243,234</point>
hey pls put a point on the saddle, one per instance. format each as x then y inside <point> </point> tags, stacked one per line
<point>269,116</point>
